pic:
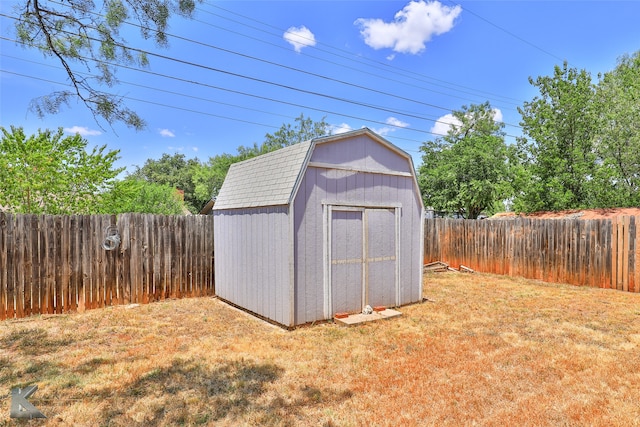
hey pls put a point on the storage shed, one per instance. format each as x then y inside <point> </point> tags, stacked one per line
<point>325,226</point>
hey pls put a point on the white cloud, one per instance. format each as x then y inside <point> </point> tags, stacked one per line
<point>341,128</point>
<point>397,123</point>
<point>166,133</point>
<point>497,115</point>
<point>383,131</point>
<point>394,123</point>
<point>444,123</point>
<point>83,131</point>
<point>411,28</point>
<point>171,148</point>
<point>299,37</point>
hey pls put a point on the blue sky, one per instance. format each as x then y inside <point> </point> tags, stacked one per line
<point>241,69</point>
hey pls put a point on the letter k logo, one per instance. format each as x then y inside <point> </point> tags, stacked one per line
<point>20,407</point>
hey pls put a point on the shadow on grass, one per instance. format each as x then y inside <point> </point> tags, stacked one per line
<point>11,376</point>
<point>34,342</point>
<point>190,393</point>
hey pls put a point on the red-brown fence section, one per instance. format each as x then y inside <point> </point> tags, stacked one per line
<point>600,252</point>
<point>57,264</point>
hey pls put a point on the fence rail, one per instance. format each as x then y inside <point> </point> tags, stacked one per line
<point>57,264</point>
<point>601,253</point>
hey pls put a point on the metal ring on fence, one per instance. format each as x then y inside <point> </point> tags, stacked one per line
<point>112,239</point>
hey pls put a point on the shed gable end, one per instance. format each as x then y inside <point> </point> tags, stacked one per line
<point>361,153</point>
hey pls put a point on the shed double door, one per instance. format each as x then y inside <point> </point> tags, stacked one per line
<point>363,258</point>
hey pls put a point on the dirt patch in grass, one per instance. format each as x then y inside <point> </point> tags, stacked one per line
<point>483,350</point>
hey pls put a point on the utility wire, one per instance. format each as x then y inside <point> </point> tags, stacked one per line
<point>376,64</point>
<point>209,100</point>
<point>515,36</point>
<point>387,77</point>
<point>345,100</point>
<point>189,110</point>
<point>297,70</point>
<point>293,104</point>
<point>232,52</point>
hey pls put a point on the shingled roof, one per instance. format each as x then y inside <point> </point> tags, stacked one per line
<point>266,180</point>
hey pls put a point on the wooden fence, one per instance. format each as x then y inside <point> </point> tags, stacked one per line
<point>57,264</point>
<point>602,253</point>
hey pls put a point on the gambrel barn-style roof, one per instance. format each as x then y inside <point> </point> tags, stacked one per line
<point>266,180</point>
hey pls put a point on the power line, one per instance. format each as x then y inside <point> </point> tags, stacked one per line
<point>209,100</point>
<point>373,63</point>
<point>381,108</point>
<point>298,70</point>
<point>345,100</point>
<point>515,36</point>
<point>190,110</point>
<point>386,66</point>
<point>315,93</point>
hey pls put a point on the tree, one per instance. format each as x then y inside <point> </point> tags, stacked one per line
<point>51,174</point>
<point>74,32</point>
<point>617,135</point>
<point>210,176</point>
<point>557,146</point>
<point>467,171</point>
<point>303,130</point>
<point>175,171</point>
<point>136,195</point>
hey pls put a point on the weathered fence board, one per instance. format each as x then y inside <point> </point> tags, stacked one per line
<point>600,252</point>
<point>57,264</point>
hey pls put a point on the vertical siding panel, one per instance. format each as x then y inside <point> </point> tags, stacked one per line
<point>255,261</point>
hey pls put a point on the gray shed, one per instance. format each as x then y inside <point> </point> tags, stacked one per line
<point>321,227</point>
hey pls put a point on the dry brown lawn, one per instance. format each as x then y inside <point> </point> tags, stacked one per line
<point>483,350</point>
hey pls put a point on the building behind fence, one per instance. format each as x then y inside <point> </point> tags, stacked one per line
<point>57,264</point>
<point>602,252</point>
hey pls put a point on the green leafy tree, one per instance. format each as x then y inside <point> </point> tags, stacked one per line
<point>304,129</point>
<point>77,31</point>
<point>467,171</point>
<point>175,171</point>
<point>617,134</point>
<point>53,174</point>
<point>210,176</point>
<point>138,196</point>
<point>557,146</point>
